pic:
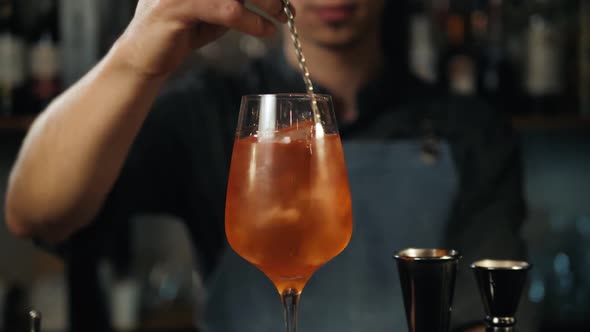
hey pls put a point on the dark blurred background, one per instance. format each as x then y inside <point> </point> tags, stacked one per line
<point>528,58</point>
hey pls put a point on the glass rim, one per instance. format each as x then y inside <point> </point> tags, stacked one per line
<point>427,254</point>
<point>301,96</point>
<point>500,264</point>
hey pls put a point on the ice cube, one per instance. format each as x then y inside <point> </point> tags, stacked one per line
<point>297,132</point>
<point>301,131</point>
<point>278,215</point>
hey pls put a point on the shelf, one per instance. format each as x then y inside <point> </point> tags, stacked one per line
<point>16,123</point>
<point>544,122</point>
<point>175,317</point>
<point>538,122</point>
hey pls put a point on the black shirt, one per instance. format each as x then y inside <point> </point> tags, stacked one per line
<point>179,163</point>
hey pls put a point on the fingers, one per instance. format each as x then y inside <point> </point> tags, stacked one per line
<point>235,15</point>
<point>273,8</point>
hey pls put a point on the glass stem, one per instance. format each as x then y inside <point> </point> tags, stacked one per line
<point>290,298</point>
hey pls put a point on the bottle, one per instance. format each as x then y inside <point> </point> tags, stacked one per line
<point>12,69</point>
<point>544,66</point>
<point>459,67</point>
<point>497,80</point>
<point>440,13</point>
<point>480,43</point>
<point>491,50</point>
<point>514,21</point>
<point>44,64</point>
<point>479,23</point>
<point>422,49</point>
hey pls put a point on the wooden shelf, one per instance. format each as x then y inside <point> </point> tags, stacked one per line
<point>543,122</point>
<point>16,123</point>
<point>173,318</point>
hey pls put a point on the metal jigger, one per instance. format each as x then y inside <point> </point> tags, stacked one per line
<point>427,278</point>
<point>500,283</point>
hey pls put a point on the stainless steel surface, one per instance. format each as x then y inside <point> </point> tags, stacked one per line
<point>297,45</point>
<point>427,254</point>
<point>301,58</point>
<point>501,264</point>
<point>427,278</point>
<point>500,283</point>
<point>35,317</point>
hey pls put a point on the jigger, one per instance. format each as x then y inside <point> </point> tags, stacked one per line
<point>500,283</point>
<point>427,278</point>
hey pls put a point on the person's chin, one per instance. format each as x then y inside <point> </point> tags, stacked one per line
<point>338,42</point>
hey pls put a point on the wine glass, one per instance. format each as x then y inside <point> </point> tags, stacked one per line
<point>288,208</point>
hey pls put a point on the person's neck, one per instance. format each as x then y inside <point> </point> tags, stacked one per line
<point>342,71</point>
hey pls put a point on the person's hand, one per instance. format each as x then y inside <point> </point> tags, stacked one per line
<point>163,32</point>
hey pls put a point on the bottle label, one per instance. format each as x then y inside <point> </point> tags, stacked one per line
<point>462,75</point>
<point>44,60</point>
<point>45,69</point>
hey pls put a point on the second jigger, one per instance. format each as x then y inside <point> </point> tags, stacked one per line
<point>427,278</point>
<point>500,283</point>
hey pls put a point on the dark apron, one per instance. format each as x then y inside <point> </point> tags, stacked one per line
<point>399,200</point>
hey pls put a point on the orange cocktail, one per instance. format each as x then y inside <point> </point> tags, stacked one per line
<point>288,206</point>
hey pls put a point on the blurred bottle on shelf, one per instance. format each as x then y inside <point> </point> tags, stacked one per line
<point>423,53</point>
<point>479,22</point>
<point>513,54</point>
<point>497,65</point>
<point>48,294</point>
<point>80,24</point>
<point>12,54</point>
<point>440,13</point>
<point>485,38</point>
<point>44,57</point>
<point>544,79</point>
<point>459,61</point>
<point>514,25</point>
<point>487,29</point>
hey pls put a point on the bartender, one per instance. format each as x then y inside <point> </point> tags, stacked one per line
<point>425,169</point>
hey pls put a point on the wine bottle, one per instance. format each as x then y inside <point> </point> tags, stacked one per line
<point>44,58</point>
<point>497,79</point>
<point>422,49</point>
<point>544,72</point>
<point>492,52</point>
<point>459,61</point>
<point>12,69</point>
